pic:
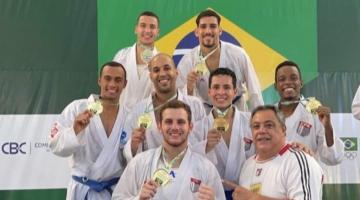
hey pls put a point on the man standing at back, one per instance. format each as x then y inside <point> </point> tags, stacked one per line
<point>211,54</point>
<point>136,58</point>
<point>90,132</point>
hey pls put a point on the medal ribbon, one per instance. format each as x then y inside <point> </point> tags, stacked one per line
<point>203,58</point>
<point>168,165</point>
<point>222,113</point>
<point>147,110</point>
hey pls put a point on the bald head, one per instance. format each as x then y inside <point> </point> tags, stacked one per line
<point>161,57</point>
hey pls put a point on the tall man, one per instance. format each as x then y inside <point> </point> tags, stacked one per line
<point>173,170</point>
<point>212,54</point>
<point>313,130</point>
<point>277,171</point>
<point>89,131</point>
<point>230,141</point>
<point>163,74</point>
<point>136,58</point>
<point>355,107</point>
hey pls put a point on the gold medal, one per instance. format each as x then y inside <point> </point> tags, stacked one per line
<point>221,124</point>
<point>201,68</point>
<point>161,176</point>
<point>312,105</point>
<point>255,188</point>
<point>144,120</point>
<point>146,55</point>
<point>95,107</point>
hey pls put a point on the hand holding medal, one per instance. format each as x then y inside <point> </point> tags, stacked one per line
<point>144,121</point>
<point>95,107</point>
<point>312,105</point>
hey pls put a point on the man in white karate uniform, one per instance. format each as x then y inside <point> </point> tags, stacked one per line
<point>185,174</point>
<point>136,58</point>
<point>163,74</point>
<point>90,132</point>
<point>312,130</point>
<point>277,171</point>
<point>212,54</point>
<point>355,108</point>
<point>226,149</point>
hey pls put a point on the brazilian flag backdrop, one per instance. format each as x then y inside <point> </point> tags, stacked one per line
<point>51,51</point>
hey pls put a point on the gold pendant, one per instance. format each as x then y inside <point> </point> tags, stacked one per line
<point>161,176</point>
<point>201,68</point>
<point>144,121</point>
<point>95,107</point>
<point>312,105</point>
<point>221,124</point>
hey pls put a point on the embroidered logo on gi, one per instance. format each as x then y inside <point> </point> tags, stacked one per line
<point>123,137</point>
<point>303,128</point>
<point>194,184</point>
<point>248,143</point>
<point>258,171</point>
<point>54,130</point>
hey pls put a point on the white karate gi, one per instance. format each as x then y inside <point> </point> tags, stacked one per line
<point>291,174</point>
<point>306,128</point>
<point>137,88</point>
<point>355,108</point>
<point>228,161</point>
<point>232,57</point>
<point>153,136</point>
<point>92,153</point>
<point>143,166</point>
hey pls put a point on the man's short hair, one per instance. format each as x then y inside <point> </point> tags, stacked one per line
<point>112,64</point>
<point>225,72</point>
<point>208,13</point>
<point>287,63</point>
<point>279,115</point>
<point>176,104</point>
<point>150,14</point>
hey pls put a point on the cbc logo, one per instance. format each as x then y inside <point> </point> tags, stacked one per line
<point>13,148</point>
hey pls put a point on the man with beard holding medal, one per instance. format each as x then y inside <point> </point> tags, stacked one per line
<point>227,138</point>
<point>136,58</point>
<point>173,170</point>
<point>90,132</point>
<point>307,121</point>
<point>211,54</point>
<point>141,122</point>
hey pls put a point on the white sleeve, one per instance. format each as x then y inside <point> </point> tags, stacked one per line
<point>332,155</point>
<point>128,188</point>
<point>355,108</point>
<point>214,181</point>
<point>184,67</point>
<point>63,140</point>
<point>303,177</point>
<point>252,82</point>
<point>121,55</point>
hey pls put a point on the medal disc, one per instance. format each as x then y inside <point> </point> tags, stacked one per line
<point>161,176</point>
<point>95,107</point>
<point>221,124</point>
<point>146,55</point>
<point>312,105</point>
<point>201,68</point>
<point>144,120</point>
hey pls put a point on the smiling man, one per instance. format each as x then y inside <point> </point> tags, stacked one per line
<point>173,170</point>
<point>227,138</point>
<point>314,130</point>
<point>211,54</point>
<point>277,171</point>
<point>136,58</point>
<point>141,122</point>
<point>89,135</point>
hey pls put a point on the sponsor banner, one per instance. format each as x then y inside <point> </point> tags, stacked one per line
<point>25,157</point>
<point>347,128</point>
